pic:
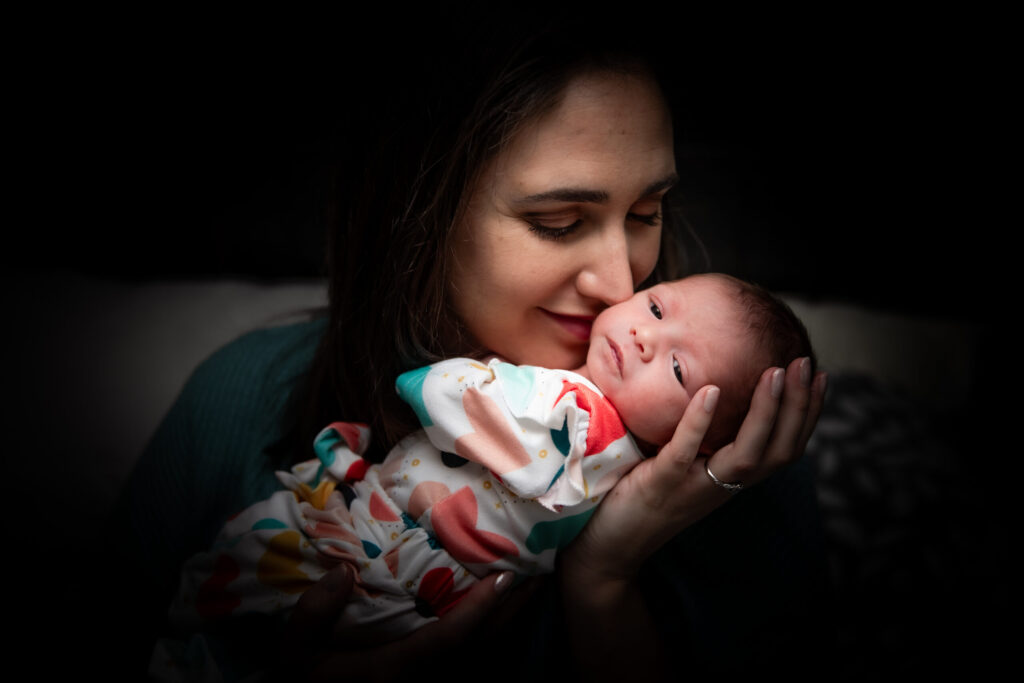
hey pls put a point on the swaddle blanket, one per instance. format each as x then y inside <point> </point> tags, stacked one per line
<point>510,464</point>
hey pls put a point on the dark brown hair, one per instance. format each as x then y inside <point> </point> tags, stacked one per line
<point>406,172</point>
<point>779,337</point>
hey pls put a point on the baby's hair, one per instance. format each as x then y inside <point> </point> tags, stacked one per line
<point>781,338</point>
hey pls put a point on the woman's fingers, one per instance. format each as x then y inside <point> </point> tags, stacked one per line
<point>782,416</point>
<point>768,441</point>
<point>481,599</point>
<point>658,498</point>
<point>784,446</point>
<point>662,496</point>
<point>319,607</point>
<point>738,461</point>
<point>818,388</point>
<point>675,457</point>
<point>311,624</point>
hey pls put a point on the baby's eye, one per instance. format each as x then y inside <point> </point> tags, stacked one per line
<point>676,369</point>
<point>655,310</point>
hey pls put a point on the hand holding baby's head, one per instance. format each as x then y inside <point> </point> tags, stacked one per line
<point>651,353</point>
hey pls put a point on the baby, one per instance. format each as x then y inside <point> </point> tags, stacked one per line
<point>510,463</point>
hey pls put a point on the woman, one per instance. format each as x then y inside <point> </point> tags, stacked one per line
<point>499,214</point>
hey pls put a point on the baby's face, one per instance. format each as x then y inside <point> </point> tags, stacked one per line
<point>650,354</point>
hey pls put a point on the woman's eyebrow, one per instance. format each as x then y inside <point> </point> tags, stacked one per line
<point>566,194</point>
<point>663,184</point>
<point>573,194</point>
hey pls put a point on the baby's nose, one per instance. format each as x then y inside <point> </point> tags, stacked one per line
<point>644,338</point>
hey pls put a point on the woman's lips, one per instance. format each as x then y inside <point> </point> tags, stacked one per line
<point>576,325</point>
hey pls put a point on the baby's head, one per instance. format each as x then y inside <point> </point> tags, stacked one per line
<point>651,353</point>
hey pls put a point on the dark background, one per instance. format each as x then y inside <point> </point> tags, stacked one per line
<point>843,158</point>
<point>847,162</point>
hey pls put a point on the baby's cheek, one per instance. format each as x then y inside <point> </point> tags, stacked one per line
<point>670,414</point>
<point>647,423</point>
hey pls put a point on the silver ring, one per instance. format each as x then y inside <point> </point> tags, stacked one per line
<point>731,488</point>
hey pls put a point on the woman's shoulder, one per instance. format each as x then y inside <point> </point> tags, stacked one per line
<point>235,399</point>
<point>266,358</point>
<point>209,447</point>
<point>278,349</point>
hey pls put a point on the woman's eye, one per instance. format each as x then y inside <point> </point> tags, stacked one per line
<point>655,310</point>
<point>646,219</point>
<point>647,212</point>
<point>676,369</point>
<point>553,232</point>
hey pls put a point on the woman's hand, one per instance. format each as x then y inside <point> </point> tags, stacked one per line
<point>659,498</point>
<point>664,495</point>
<point>313,651</point>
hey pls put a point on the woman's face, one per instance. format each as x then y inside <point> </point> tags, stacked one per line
<point>565,221</point>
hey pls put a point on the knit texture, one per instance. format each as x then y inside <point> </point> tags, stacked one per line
<point>205,462</point>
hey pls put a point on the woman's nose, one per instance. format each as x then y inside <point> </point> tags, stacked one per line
<point>607,275</point>
<point>643,337</point>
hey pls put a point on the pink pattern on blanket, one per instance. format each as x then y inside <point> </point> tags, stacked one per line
<point>605,424</point>
<point>424,496</point>
<point>454,520</point>
<point>492,443</point>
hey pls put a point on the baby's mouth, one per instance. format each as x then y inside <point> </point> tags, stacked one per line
<point>616,354</point>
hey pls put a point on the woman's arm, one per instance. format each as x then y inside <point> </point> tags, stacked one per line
<point>665,495</point>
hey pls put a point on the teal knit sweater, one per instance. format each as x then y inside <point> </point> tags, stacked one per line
<point>205,462</point>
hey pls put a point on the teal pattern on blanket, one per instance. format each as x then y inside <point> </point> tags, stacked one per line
<point>561,438</point>
<point>269,523</point>
<point>558,533</point>
<point>410,389</point>
<point>516,385</point>
<point>324,447</point>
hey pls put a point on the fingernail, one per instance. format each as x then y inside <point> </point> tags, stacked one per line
<point>805,372</point>
<point>778,381</point>
<point>822,383</point>
<point>710,399</point>
<point>503,582</point>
